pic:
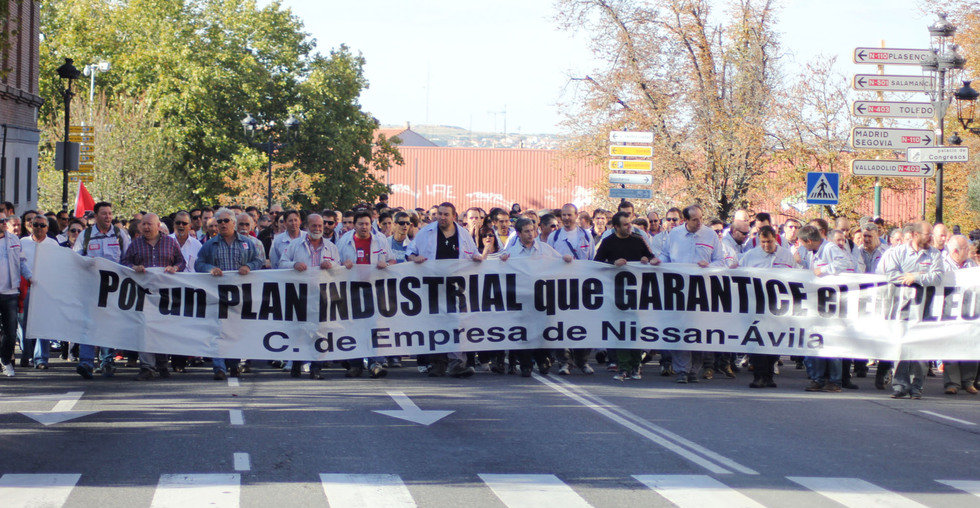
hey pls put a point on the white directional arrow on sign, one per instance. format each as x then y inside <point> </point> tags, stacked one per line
<point>409,411</point>
<point>62,411</point>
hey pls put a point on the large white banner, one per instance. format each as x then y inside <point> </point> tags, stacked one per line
<point>444,306</point>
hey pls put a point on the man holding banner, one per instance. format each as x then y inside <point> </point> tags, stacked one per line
<point>228,251</point>
<point>913,262</point>
<point>573,240</point>
<point>442,239</point>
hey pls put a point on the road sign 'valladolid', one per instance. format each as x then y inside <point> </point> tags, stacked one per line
<point>875,138</point>
<point>891,168</point>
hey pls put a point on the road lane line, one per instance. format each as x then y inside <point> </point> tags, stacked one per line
<point>18,490</point>
<point>236,416</point>
<point>242,462</point>
<point>937,415</point>
<point>854,493</point>
<point>721,459</point>
<point>696,491</point>
<point>650,435</point>
<point>183,490</point>
<point>233,381</point>
<point>532,491</point>
<point>366,490</point>
<point>968,486</point>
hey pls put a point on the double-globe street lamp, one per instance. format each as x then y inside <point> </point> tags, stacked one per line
<point>68,74</point>
<point>250,125</point>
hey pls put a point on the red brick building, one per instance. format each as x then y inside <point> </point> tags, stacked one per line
<point>19,103</point>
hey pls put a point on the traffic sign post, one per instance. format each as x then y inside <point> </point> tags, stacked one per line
<point>886,83</point>
<point>876,138</point>
<point>885,109</point>
<point>631,151</point>
<point>627,165</point>
<point>822,188</point>
<point>630,179</point>
<point>623,193</point>
<point>892,168</point>
<point>631,137</point>
<point>939,154</point>
<point>891,56</point>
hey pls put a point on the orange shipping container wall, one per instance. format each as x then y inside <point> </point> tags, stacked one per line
<point>489,177</point>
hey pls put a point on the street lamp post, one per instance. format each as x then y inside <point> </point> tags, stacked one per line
<point>250,125</point>
<point>946,58</point>
<point>91,70</point>
<point>68,73</point>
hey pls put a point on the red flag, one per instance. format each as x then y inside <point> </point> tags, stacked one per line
<point>83,202</point>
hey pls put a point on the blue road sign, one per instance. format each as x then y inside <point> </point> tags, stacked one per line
<point>822,188</point>
<point>630,193</point>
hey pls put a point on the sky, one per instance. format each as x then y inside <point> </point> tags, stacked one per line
<point>463,63</point>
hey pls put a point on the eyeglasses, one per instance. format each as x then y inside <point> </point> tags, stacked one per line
<point>330,222</point>
<point>2,221</point>
<point>40,224</point>
<point>489,235</point>
<point>75,230</point>
<point>403,223</point>
<point>195,217</point>
<point>182,223</point>
<point>222,221</point>
<point>671,219</point>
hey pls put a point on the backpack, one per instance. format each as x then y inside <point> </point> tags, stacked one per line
<point>88,238</point>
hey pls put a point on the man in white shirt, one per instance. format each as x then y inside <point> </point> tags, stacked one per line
<point>575,241</point>
<point>38,350</point>
<point>959,375</point>
<point>281,241</point>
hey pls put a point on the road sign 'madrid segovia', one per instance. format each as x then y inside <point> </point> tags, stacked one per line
<point>894,83</point>
<point>891,56</point>
<point>822,188</point>
<point>892,168</point>
<point>885,109</point>
<point>876,138</point>
<point>939,154</point>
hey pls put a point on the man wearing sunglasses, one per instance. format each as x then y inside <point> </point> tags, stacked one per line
<point>189,245</point>
<point>231,252</point>
<point>102,240</point>
<point>38,350</point>
<point>13,266</point>
<point>399,237</point>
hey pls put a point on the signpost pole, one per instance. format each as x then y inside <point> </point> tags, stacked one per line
<point>940,114</point>
<point>881,123</point>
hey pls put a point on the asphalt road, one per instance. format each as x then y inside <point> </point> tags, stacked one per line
<point>271,440</point>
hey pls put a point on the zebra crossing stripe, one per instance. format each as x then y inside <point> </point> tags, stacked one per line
<point>532,491</point>
<point>696,491</point>
<point>854,493</point>
<point>364,490</point>
<point>30,490</point>
<point>968,486</point>
<point>212,490</point>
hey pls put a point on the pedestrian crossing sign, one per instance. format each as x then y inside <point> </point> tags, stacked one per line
<point>822,188</point>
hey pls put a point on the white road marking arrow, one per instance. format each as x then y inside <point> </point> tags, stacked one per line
<point>409,411</point>
<point>62,411</point>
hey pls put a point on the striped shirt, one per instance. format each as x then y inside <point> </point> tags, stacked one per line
<point>165,253</point>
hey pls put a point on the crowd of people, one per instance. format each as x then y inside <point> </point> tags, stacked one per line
<point>241,240</point>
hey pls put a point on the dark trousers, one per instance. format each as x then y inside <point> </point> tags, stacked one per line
<point>8,320</point>
<point>542,357</point>
<point>577,357</point>
<point>763,365</point>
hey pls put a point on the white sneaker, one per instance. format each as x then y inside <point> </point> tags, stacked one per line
<point>8,369</point>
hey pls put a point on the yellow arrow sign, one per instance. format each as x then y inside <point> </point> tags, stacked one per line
<point>86,148</point>
<point>79,138</point>
<point>84,178</point>
<point>79,129</point>
<point>86,159</point>
<point>631,151</point>
<point>86,167</point>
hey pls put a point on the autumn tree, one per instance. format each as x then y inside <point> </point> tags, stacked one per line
<point>702,81</point>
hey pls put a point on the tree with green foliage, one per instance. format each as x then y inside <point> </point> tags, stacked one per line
<point>201,65</point>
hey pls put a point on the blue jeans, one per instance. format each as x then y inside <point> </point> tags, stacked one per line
<point>824,370</point>
<point>86,355</point>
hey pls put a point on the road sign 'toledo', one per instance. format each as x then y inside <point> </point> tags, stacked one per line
<point>822,188</point>
<point>884,109</point>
